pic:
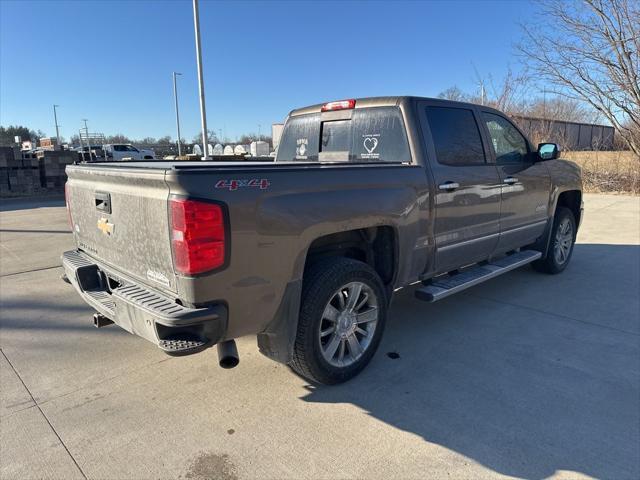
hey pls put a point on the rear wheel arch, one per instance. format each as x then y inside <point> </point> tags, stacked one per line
<point>376,246</point>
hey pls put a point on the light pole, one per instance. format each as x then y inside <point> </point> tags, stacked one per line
<point>203,113</point>
<point>482,92</point>
<point>175,97</point>
<point>55,117</point>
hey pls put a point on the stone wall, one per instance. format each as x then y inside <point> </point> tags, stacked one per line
<point>33,174</point>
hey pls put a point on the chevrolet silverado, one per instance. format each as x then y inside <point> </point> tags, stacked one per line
<point>365,197</point>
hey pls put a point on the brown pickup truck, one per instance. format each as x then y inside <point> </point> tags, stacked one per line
<point>365,197</point>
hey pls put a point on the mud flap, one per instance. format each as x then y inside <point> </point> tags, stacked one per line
<point>542,243</point>
<point>276,341</point>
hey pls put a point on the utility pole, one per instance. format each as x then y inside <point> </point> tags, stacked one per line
<point>55,117</point>
<point>175,97</point>
<point>203,113</point>
<point>86,132</point>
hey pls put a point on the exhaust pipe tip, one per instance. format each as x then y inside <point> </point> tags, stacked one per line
<point>228,354</point>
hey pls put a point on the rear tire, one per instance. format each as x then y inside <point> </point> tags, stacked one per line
<point>560,248</point>
<point>342,318</point>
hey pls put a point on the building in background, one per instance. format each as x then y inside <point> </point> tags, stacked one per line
<point>569,135</point>
<point>48,143</point>
<point>276,133</point>
<point>259,149</point>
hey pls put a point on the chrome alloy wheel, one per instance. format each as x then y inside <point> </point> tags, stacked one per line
<point>563,242</point>
<point>348,324</point>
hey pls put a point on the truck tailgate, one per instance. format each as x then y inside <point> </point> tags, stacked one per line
<point>120,218</point>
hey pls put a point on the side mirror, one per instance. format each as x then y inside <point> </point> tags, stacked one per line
<point>548,151</point>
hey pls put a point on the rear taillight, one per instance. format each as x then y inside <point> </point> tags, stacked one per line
<point>197,236</point>
<point>339,105</point>
<point>68,203</point>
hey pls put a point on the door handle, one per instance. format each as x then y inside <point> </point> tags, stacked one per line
<point>449,186</point>
<point>103,202</point>
<point>510,180</point>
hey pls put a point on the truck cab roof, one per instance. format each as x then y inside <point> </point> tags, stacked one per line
<point>368,102</point>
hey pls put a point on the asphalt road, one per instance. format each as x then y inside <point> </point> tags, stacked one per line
<point>527,375</point>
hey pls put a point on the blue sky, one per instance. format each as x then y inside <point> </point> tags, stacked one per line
<point>111,61</point>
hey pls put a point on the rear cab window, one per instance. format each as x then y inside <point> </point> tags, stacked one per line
<point>372,134</point>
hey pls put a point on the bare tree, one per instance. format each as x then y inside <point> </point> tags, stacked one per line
<point>509,94</point>
<point>212,136</point>
<point>561,108</point>
<point>118,138</point>
<point>590,51</point>
<point>455,94</point>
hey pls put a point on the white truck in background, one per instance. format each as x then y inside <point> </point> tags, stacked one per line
<point>122,151</point>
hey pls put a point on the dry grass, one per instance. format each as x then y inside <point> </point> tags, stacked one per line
<point>608,172</point>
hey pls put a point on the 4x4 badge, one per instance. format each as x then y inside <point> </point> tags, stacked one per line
<point>233,184</point>
<point>105,227</point>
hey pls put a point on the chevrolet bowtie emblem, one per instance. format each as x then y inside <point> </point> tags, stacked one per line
<point>105,227</point>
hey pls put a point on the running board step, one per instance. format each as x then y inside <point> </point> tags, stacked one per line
<point>446,285</point>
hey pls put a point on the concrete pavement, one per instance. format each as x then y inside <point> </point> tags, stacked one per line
<point>527,376</point>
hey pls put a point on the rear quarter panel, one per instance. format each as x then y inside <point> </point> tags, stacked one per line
<point>272,228</point>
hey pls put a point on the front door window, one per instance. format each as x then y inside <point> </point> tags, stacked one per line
<point>508,144</point>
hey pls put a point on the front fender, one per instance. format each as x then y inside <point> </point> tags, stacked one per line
<point>565,176</point>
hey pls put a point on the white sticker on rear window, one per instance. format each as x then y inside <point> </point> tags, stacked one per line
<point>301,148</point>
<point>370,144</point>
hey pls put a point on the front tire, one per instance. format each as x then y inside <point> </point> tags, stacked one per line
<point>560,249</point>
<point>342,317</point>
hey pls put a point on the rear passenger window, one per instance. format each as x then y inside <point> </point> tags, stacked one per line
<point>455,136</point>
<point>374,134</point>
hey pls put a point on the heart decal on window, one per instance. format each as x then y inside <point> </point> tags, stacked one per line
<point>370,144</point>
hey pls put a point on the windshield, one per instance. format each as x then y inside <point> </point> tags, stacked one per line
<point>374,134</point>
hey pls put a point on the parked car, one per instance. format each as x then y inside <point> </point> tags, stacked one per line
<point>365,197</point>
<point>122,151</point>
